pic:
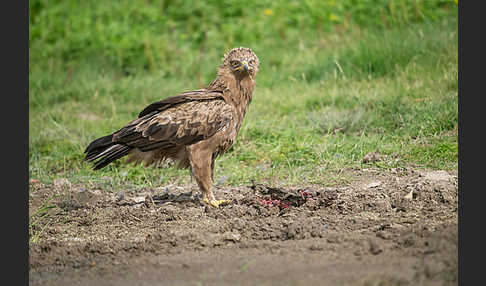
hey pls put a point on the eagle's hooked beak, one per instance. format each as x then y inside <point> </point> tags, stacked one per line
<point>245,65</point>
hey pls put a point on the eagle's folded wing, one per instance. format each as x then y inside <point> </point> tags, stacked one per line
<point>196,95</point>
<point>173,124</point>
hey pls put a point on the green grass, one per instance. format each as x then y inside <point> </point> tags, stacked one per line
<point>378,76</point>
<point>39,220</point>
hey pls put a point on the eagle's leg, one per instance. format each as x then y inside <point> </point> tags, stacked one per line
<point>202,171</point>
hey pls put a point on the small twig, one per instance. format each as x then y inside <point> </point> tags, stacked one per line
<point>68,76</point>
<point>339,67</point>
<point>136,218</point>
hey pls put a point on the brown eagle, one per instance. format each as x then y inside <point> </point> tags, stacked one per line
<point>191,128</point>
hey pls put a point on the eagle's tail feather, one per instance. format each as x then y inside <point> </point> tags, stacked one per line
<point>105,149</point>
<point>99,144</point>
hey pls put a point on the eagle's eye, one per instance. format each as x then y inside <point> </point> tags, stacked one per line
<point>234,64</point>
<point>252,62</point>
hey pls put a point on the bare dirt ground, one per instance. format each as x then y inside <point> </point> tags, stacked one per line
<point>386,228</point>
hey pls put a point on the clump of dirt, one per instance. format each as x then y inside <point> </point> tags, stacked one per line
<point>386,228</point>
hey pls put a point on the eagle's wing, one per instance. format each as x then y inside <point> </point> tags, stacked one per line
<point>179,120</point>
<point>166,103</point>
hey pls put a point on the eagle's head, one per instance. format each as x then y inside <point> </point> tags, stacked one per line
<point>241,62</point>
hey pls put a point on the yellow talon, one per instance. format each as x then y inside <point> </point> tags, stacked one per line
<point>216,203</point>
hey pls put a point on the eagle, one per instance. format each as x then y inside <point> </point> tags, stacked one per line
<point>191,129</point>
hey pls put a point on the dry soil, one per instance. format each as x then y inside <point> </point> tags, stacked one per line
<point>397,227</point>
